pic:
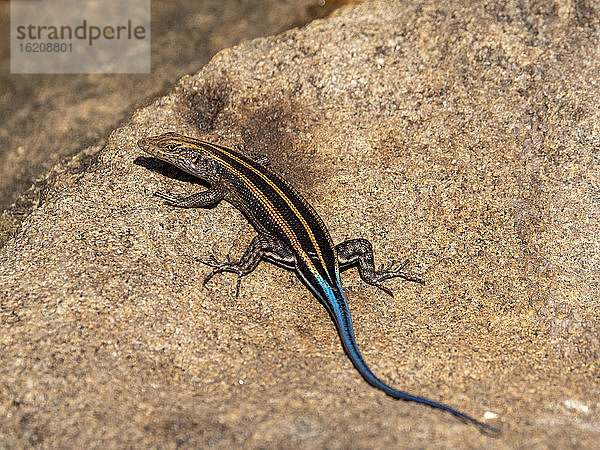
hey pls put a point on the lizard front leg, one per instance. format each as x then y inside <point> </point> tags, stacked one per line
<point>359,252</point>
<point>203,199</point>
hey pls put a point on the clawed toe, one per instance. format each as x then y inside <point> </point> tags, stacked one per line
<point>395,267</point>
<point>388,291</point>
<point>220,267</point>
<point>237,286</point>
<point>170,199</point>
<point>393,270</point>
<point>209,276</point>
<point>211,261</point>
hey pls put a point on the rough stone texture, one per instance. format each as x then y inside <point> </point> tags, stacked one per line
<point>47,117</point>
<point>464,137</point>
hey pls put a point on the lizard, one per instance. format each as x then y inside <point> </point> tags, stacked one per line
<point>290,234</point>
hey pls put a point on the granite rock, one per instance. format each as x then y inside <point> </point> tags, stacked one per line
<point>463,137</point>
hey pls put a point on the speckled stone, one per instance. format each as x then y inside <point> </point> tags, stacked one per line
<point>463,137</point>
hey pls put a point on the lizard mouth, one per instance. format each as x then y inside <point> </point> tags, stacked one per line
<point>148,145</point>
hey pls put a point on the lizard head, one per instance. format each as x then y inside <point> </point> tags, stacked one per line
<point>171,148</point>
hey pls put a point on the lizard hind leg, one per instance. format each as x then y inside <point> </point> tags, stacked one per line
<point>262,246</point>
<point>359,252</point>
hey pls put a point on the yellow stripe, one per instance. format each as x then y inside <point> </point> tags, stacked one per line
<point>272,211</point>
<point>281,194</point>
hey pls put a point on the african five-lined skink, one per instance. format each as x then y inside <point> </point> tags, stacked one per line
<point>290,234</point>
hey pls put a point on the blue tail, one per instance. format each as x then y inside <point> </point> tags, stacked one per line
<point>338,309</point>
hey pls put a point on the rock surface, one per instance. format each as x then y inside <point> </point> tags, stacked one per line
<point>45,118</point>
<point>464,137</point>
